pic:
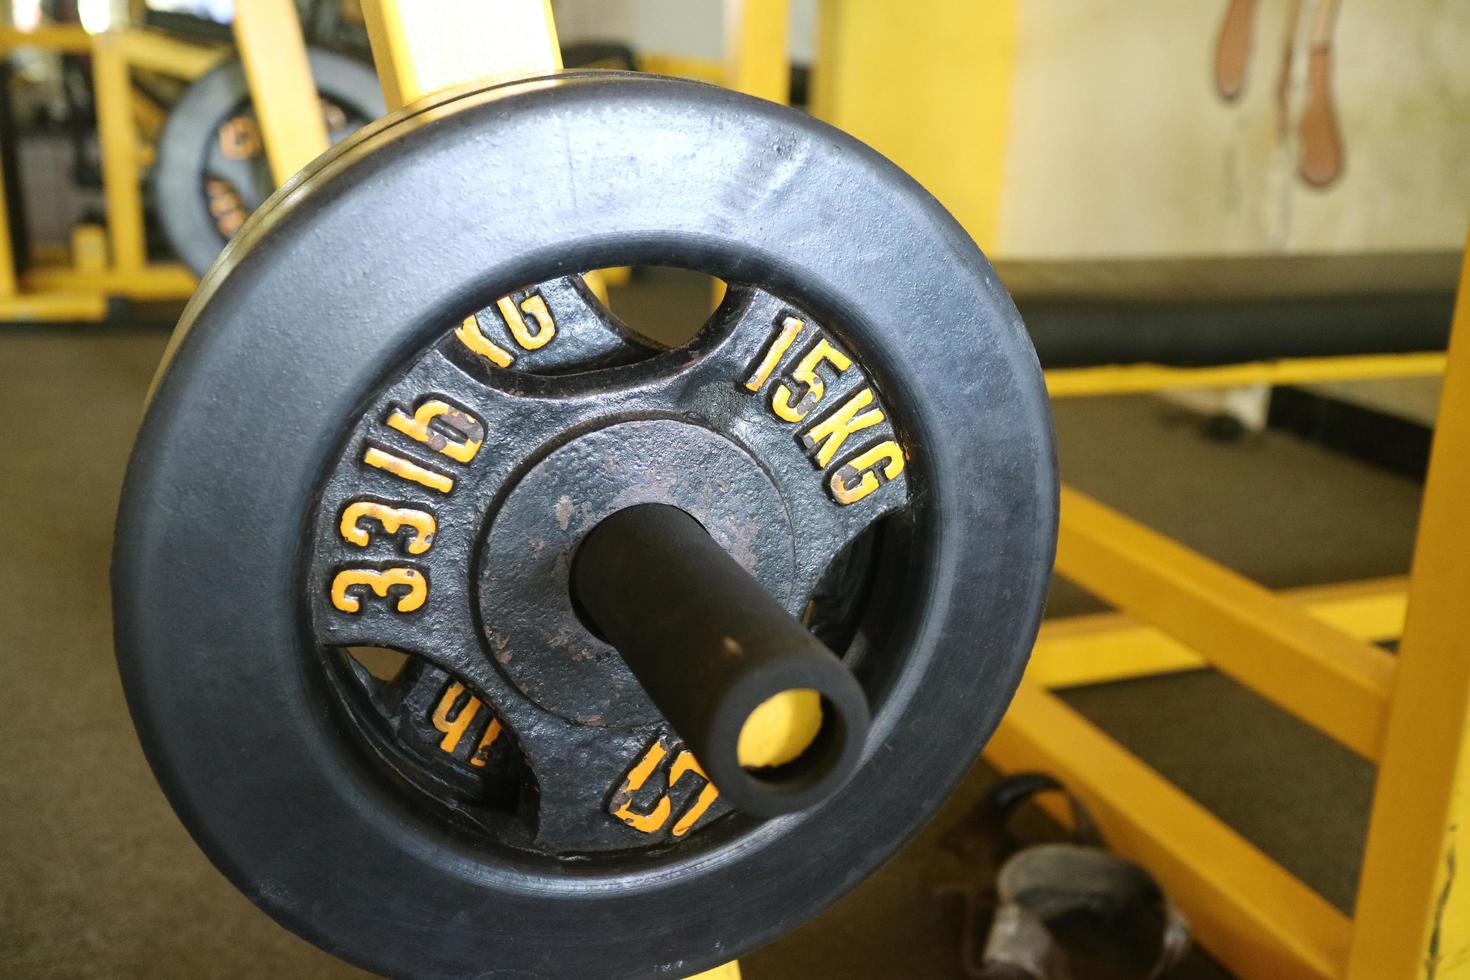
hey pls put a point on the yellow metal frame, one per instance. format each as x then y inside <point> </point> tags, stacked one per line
<point>757,58</point>
<point>900,82</point>
<point>422,48</point>
<point>1331,680</point>
<point>273,50</point>
<point>77,287</point>
<point>1133,379</point>
<point>1311,652</point>
<point>930,89</point>
<point>1413,915</point>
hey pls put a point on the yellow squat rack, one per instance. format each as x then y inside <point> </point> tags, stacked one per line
<point>1311,652</point>
<point>111,262</point>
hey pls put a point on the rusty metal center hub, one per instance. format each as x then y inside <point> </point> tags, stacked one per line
<point>531,628</point>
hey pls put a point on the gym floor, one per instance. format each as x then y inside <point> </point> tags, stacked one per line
<point>99,879</point>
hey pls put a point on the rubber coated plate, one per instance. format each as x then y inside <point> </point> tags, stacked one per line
<point>211,165</point>
<point>325,296</point>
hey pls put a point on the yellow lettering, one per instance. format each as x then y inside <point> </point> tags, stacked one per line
<point>420,523</point>
<point>455,728</point>
<point>239,138</point>
<point>224,206</point>
<point>806,373</point>
<point>536,307</point>
<point>472,337</point>
<point>827,436</point>
<point>887,453</point>
<point>683,764</point>
<point>482,751</point>
<point>427,425</point>
<point>649,822</point>
<point>791,328</point>
<point>407,469</point>
<point>380,581</point>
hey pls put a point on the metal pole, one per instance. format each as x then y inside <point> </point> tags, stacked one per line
<point>120,161</point>
<point>268,34</point>
<point>421,48</point>
<point>756,58</point>
<point>715,650</point>
<point>1413,914</point>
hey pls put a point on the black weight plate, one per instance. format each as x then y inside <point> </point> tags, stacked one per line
<point>319,302</point>
<point>190,152</point>
<point>553,457</point>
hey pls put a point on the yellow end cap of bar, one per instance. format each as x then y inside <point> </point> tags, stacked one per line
<point>780,729</point>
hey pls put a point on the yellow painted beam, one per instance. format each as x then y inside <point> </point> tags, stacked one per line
<point>155,281</point>
<point>1245,909</point>
<point>757,62</point>
<point>153,51</point>
<point>1094,649</point>
<point>757,55</point>
<point>1132,379</point>
<point>1323,676</point>
<point>113,90</point>
<point>148,120</point>
<point>679,66</point>
<point>729,971</point>
<point>929,89</point>
<point>53,307</point>
<point>421,47</point>
<point>89,249</point>
<point>282,91</point>
<point>62,38</point>
<point>1413,914</point>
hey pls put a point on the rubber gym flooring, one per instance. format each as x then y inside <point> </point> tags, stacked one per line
<point>98,878</point>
